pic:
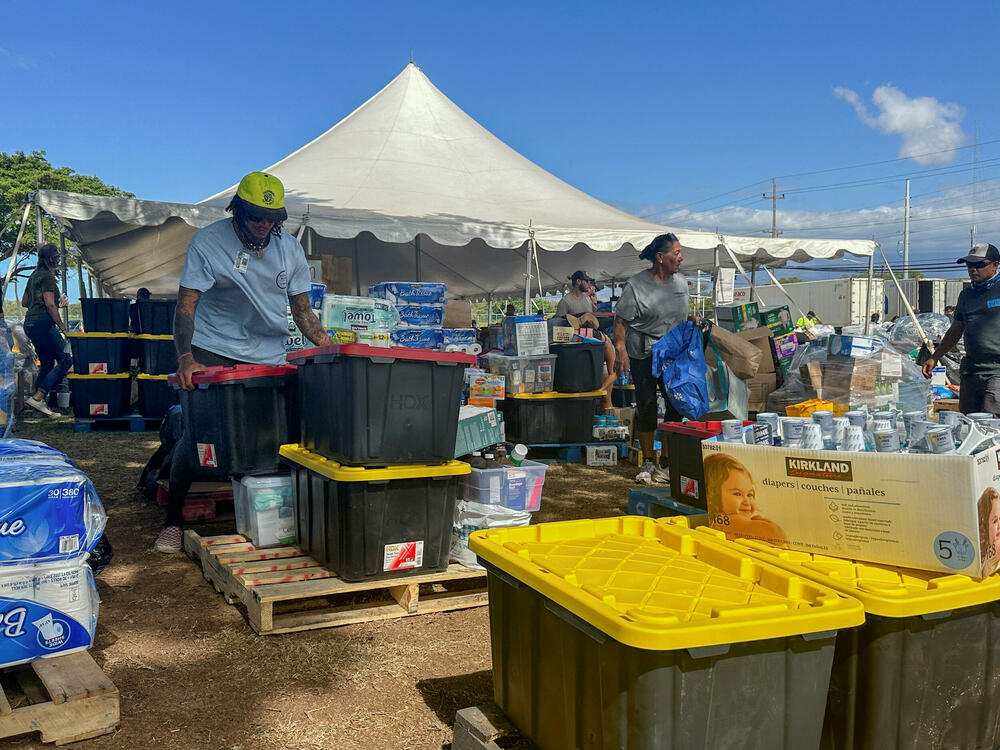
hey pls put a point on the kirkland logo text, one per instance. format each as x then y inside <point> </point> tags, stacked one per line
<point>818,469</point>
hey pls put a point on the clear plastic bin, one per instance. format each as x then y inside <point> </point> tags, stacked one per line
<point>514,487</point>
<point>533,374</point>
<point>265,509</point>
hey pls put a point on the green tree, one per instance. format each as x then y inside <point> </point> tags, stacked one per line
<point>22,173</point>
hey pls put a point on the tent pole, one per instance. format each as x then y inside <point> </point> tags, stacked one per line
<point>527,278</point>
<point>79,278</point>
<point>17,246</point>
<point>90,285</point>
<point>715,278</point>
<point>489,309</point>
<point>39,236</point>
<point>868,297</point>
<point>416,250</point>
<point>357,268</point>
<point>62,260</point>
<point>753,276</point>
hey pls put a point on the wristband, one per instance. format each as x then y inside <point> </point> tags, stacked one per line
<point>185,354</point>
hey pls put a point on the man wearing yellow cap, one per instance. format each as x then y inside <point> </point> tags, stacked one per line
<point>239,276</point>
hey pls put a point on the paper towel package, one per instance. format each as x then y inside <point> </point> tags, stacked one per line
<point>46,610</point>
<point>48,511</point>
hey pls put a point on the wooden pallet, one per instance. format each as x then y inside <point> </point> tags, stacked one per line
<point>284,590</point>
<point>66,698</point>
<point>569,453</point>
<point>128,423</point>
<point>479,728</point>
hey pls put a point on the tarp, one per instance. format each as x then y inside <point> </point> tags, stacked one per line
<point>410,187</point>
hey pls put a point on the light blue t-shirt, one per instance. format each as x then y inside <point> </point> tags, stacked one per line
<point>243,315</point>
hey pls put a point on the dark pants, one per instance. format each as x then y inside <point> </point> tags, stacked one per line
<point>50,348</point>
<point>184,464</point>
<point>980,393</point>
<point>646,387</point>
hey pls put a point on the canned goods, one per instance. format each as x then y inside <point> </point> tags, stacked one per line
<point>940,440</point>
<point>732,430</point>
<point>886,440</point>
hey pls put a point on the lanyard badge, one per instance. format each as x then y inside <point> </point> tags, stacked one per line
<point>242,259</point>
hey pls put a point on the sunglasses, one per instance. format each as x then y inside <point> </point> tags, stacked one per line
<point>980,264</point>
<point>257,219</point>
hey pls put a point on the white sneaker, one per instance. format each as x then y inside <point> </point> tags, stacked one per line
<point>660,475</point>
<point>39,405</point>
<point>645,475</point>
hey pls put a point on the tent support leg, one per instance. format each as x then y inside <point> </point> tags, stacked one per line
<point>753,277</point>
<point>489,309</point>
<point>357,268</point>
<point>527,278</point>
<point>79,278</point>
<point>868,297</point>
<point>416,249</point>
<point>63,265</point>
<point>13,255</point>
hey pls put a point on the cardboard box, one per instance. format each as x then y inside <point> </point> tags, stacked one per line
<point>457,314</point>
<point>761,338</point>
<point>855,347</point>
<point>626,416</point>
<point>481,384</point>
<point>738,318</point>
<point>913,510</point>
<point>777,319</point>
<point>336,273</point>
<point>945,404</point>
<point>478,427</point>
<point>784,346</point>
<point>525,335</point>
<point>602,455</point>
<point>761,386</point>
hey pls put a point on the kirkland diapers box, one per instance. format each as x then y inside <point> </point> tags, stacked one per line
<point>932,512</point>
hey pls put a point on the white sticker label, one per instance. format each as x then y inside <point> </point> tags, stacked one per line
<point>98,368</point>
<point>241,262</point>
<point>892,365</point>
<point>403,556</point>
<point>689,487</point>
<point>207,456</point>
<point>99,410</point>
<point>69,543</point>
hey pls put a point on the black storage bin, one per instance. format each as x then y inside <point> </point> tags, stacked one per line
<point>375,407</point>
<point>157,354</point>
<point>156,395</point>
<point>104,315</point>
<point>100,395</point>
<point>238,417</point>
<point>374,523</point>
<point>156,316</point>
<point>100,353</point>
<point>687,473</point>
<point>579,366</point>
<point>535,418</point>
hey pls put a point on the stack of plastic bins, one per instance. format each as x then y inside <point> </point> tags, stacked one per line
<point>104,315</point>
<point>239,416</point>
<point>368,406</point>
<point>534,418</point>
<point>580,366</point>
<point>687,472</point>
<point>514,487</point>
<point>100,395</point>
<point>157,354</point>
<point>374,523</point>
<point>623,632</point>
<point>528,374</point>
<point>99,353</point>
<point>921,672</point>
<point>155,395</point>
<point>156,316</point>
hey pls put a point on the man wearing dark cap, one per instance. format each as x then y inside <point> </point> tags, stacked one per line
<point>240,276</point>
<point>977,318</point>
<point>577,302</point>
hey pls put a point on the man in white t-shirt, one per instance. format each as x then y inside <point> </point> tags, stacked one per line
<point>239,278</point>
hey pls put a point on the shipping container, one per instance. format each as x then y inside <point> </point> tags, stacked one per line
<point>838,302</point>
<point>924,295</point>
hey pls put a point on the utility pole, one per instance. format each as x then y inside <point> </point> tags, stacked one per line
<point>774,197</point>
<point>975,187</point>
<point>906,233</point>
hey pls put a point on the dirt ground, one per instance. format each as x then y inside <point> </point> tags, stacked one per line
<point>192,674</point>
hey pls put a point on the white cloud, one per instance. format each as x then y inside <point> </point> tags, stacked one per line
<point>924,124</point>
<point>17,60</point>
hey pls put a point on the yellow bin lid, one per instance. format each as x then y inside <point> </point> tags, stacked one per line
<point>81,335</point>
<point>144,376</point>
<point>884,590</point>
<point>153,337</point>
<point>330,469</point>
<point>554,394</point>
<point>662,587</point>
<point>74,376</point>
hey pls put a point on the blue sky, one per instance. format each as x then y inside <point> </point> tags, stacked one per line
<point>653,107</point>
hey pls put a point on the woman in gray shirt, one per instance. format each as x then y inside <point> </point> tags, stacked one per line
<point>652,302</point>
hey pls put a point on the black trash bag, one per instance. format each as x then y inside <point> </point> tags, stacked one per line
<point>171,429</point>
<point>101,555</point>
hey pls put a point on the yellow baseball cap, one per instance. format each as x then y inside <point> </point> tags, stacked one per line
<point>264,191</point>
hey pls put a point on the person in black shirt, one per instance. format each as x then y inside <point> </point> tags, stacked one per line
<point>977,319</point>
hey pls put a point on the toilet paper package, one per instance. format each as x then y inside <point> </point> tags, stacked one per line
<point>18,450</point>
<point>45,610</point>
<point>413,292</point>
<point>458,336</point>
<point>419,338</point>
<point>48,512</point>
<point>420,316</point>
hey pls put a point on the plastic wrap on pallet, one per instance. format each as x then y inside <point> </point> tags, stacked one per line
<point>851,371</point>
<point>409,292</point>
<point>46,609</point>
<point>47,512</point>
<point>470,517</point>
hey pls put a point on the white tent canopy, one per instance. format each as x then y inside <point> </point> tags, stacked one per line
<point>410,187</point>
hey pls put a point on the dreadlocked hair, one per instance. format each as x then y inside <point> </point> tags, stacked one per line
<point>242,211</point>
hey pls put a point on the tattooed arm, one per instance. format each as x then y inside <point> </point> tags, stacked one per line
<point>187,301</point>
<point>306,320</point>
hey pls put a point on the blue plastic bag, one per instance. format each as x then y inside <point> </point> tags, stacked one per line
<point>679,360</point>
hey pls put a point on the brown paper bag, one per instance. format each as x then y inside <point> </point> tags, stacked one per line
<point>742,356</point>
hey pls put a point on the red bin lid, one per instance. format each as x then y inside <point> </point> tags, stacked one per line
<point>237,372</point>
<point>393,352</point>
<point>701,430</point>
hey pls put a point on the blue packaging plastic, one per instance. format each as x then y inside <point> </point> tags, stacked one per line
<point>15,449</point>
<point>420,316</point>
<point>418,338</point>
<point>458,336</point>
<point>48,511</point>
<point>412,292</point>
<point>316,294</point>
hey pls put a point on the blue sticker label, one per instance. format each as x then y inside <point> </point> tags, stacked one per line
<point>29,630</point>
<point>993,302</point>
<point>954,550</point>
